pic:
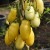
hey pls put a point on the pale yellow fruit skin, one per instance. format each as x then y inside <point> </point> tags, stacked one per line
<point>29,13</point>
<point>40,5</point>
<point>13,31</point>
<point>12,15</point>
<point>25,5</point>
<point>25,29</point>
<point>35,22</point>
<point>30,40</point>
<point>37,14</point>
<point>19,43</point>
<point>7,41</point>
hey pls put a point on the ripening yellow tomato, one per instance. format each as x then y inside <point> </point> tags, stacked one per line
<point>12,15</point>
<point>35,22</point>
<point>13,31</point>
<point>30,40</point>
<point>25,5</point>
<point>29,12</point>
<point>39,5</point>
<point>7,41</point>
<point>37,14</point>
<point>25,29</point>
<point>19,43</point>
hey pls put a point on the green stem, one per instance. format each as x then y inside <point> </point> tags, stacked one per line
<point>21,10</point>
<point>18,12</point>
<point>27,47</point>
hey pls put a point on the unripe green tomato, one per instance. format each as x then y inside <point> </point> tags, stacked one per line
<point>29,12</point>
<point>35,22</point>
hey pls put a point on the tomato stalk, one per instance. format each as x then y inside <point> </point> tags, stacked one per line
<point>20,10</point>
<point>27,47</point>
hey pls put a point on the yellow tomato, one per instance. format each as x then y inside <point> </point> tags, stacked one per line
<point>25,22</point>
<point>30,40</point>
<point>12,15</point>
<point>25,29</point>
<point>13,31</point>
<point>29,12</point>
<point>25,5</point>
<point>39,5</point>
<point>35,22</point>
<point>19,43</point>
<point>7,41</point>
<point>37,14</point>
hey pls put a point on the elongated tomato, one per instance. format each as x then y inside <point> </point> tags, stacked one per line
<point>7,41</point>
<point>12,15</point>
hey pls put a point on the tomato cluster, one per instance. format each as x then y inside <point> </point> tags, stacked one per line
<point>22,34</point>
